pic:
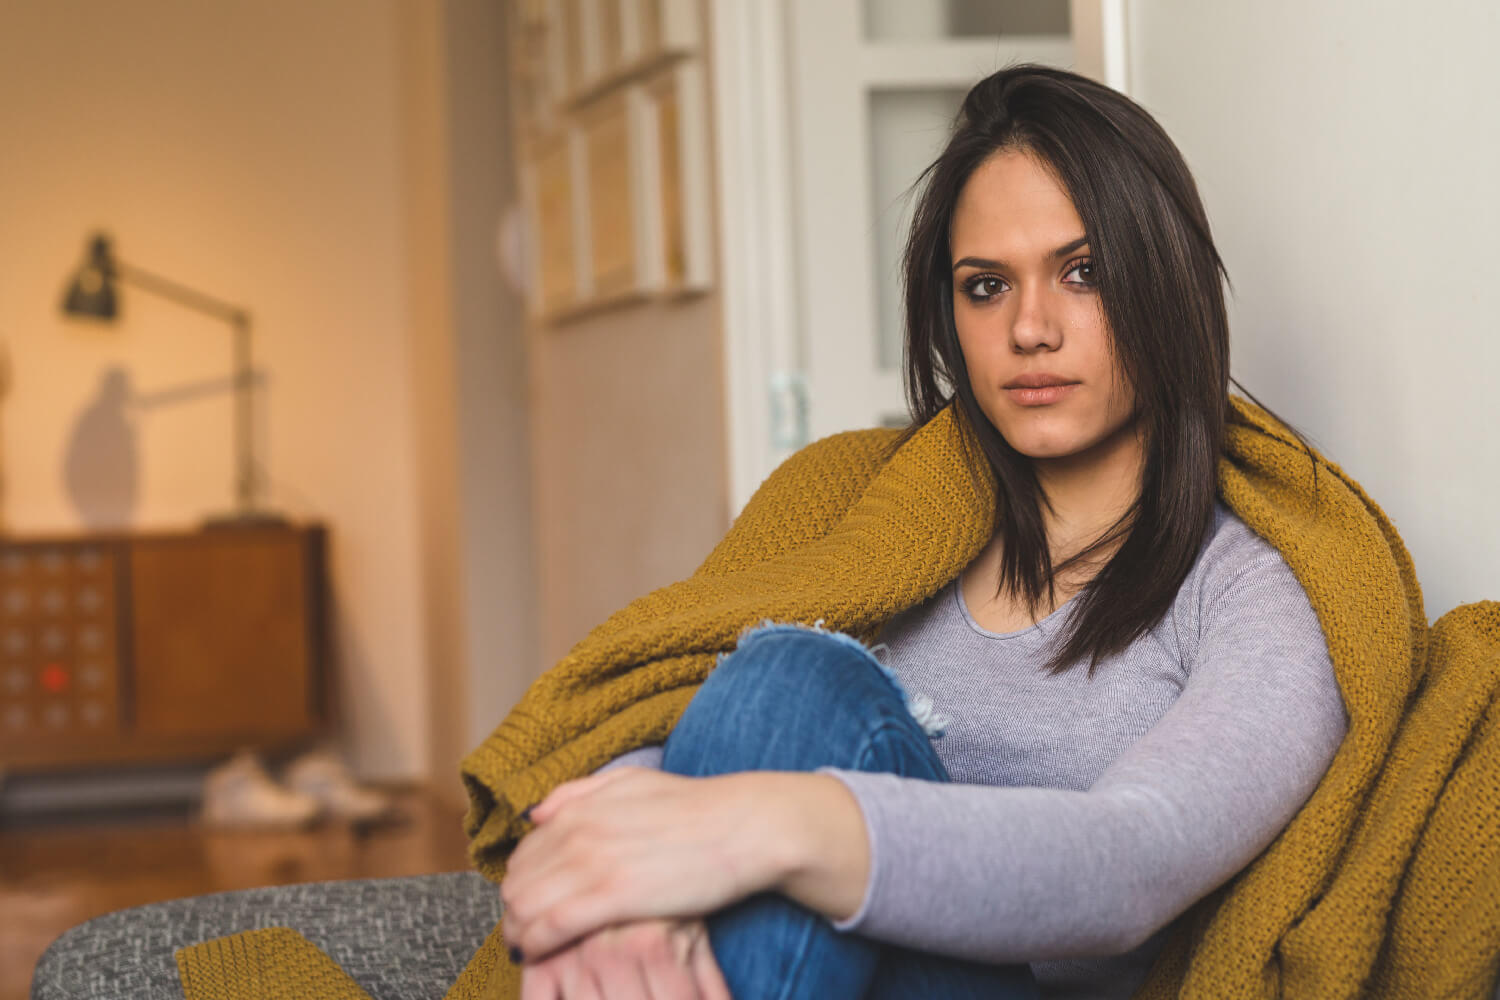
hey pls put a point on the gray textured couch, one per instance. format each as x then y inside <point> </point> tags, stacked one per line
<point>399,938</point>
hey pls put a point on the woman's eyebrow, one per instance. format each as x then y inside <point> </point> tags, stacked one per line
<point>985,262</point>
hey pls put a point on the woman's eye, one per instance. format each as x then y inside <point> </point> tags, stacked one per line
<point>1085,271</point>
<point>983,287</point>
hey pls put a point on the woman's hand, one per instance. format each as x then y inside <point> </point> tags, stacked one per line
<point>644,960</point>
<point>634,843</point>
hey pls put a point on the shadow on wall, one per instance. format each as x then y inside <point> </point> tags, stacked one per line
<point>101,470</point>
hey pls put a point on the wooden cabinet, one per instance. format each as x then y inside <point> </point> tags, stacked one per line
<point>161,646</point>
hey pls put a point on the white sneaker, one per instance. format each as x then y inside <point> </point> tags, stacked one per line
<point>321,776</point>
<point>240,795</point>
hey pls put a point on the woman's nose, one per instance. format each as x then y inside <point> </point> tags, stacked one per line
<point>1034,327</point>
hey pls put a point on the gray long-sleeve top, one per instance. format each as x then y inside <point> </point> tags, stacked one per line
<point>1085,814</point>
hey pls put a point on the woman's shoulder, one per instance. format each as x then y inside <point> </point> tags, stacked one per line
<point>1240,575</point>
<point>1231,548</point>
<point>1244,619</point>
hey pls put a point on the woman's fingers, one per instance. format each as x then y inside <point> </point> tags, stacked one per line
<point>669,983</point>
<point>578,980</point>
<point>568,791</point>
<point>658,952</point>
<point>569,881</point>
<point>707,976</point>
<point>540,982</point>
<point>566,975</point>
<point>663,952</point>
<point>555,897</point>
<point>562,917</point>
<point>608,957</point>
<point>643,960</point>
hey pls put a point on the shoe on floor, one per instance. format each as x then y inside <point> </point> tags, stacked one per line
<point>323,777</point>
<point>240,794</point>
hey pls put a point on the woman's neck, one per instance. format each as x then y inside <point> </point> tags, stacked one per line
<point>1088,492</point>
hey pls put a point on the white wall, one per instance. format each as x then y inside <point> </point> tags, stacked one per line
<point>1348,151</point>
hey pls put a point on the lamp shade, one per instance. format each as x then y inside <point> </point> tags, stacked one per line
<point>91,292</point>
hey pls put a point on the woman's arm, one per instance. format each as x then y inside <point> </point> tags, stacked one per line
<point>647,757</point>
<point>1023,874</point>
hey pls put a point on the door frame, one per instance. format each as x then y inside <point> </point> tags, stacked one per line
<point>763,345</point>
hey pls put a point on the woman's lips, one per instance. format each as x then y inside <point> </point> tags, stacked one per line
<point>1040,395</point>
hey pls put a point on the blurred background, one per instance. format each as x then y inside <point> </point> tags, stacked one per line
<point>528,295</point>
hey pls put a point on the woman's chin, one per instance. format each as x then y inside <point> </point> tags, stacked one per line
<point>1044,446</point>
<point>1058,439</point>
<point>1043,453</point>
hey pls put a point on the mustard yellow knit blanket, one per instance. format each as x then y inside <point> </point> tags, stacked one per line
<point>1386,884</point>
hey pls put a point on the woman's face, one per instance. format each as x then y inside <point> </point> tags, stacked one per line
<point>1029,319</point>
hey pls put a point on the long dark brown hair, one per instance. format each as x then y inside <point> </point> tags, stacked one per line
<point>1161,286</point>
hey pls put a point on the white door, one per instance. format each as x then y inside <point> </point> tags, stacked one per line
<point>828,110</point>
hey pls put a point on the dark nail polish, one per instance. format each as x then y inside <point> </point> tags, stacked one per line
<point>516,956</point>
<point>526,814</point>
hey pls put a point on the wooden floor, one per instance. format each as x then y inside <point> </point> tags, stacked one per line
<point>59,873</point>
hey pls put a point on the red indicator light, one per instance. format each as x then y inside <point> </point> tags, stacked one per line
<point>55,678</point>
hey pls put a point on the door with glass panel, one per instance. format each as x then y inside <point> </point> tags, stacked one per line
<point>874,86</point>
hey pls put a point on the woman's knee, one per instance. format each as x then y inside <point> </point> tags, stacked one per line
<point>792,661</point>
<point>791,698</point>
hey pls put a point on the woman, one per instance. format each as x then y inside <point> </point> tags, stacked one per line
<point>1111,710</point>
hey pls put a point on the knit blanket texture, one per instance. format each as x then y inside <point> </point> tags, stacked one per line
<point>1385,884</point>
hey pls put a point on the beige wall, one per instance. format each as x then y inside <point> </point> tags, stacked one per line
<point>470,366</point>
<point>565,470</point>
<point>621,484</point>
<point>629,456</point>
<point>340,166</point>
<point>424,108</point>
<point>250,149</point>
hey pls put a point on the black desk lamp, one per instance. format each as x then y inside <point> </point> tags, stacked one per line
<point>91,293</point>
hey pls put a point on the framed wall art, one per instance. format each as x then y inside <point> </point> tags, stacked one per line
<point>676,129</point>
<point>549,188</point>
<point>611,140</point>
<point>611,121</point>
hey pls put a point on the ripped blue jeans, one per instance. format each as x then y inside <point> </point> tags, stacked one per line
<point>794,699</point>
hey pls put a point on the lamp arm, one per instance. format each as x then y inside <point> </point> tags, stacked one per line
<point>181,294</point>
<point>246,482</point>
